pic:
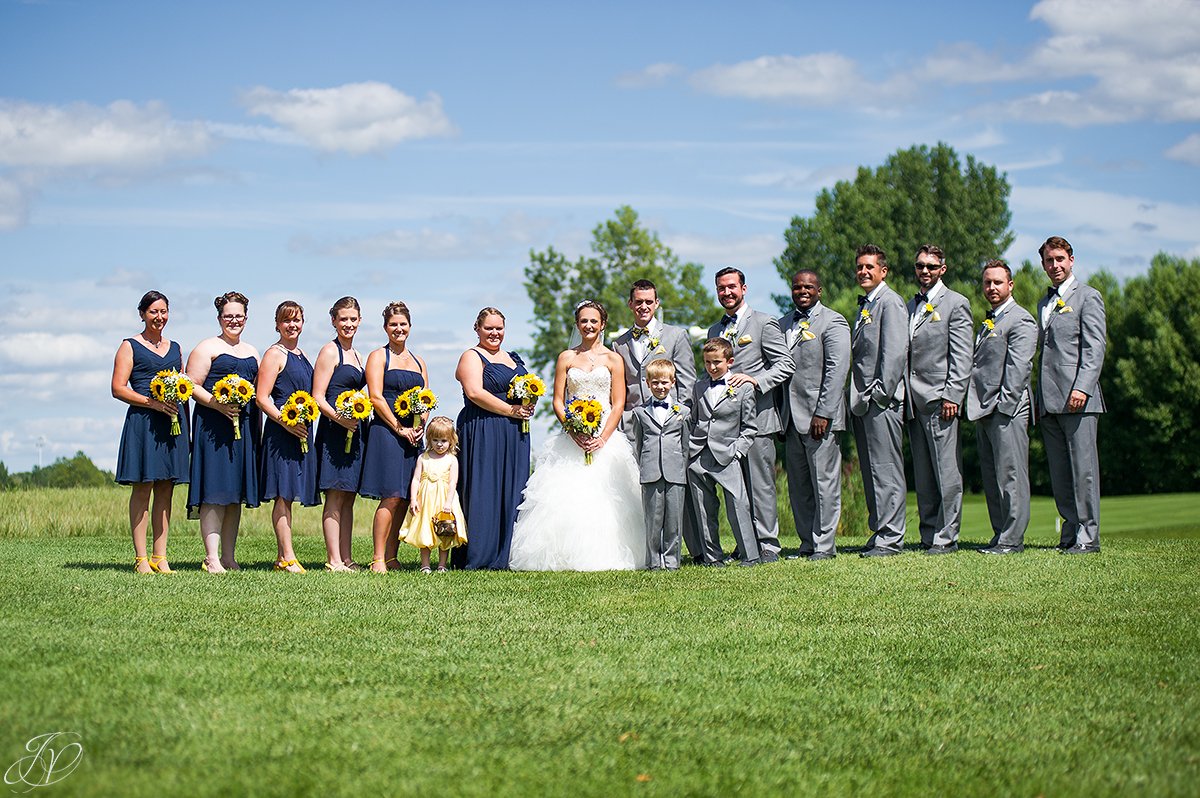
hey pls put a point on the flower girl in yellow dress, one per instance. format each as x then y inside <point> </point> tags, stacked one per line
<point>435,517</point>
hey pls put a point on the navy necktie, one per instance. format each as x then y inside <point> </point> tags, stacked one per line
<point>991,314</point>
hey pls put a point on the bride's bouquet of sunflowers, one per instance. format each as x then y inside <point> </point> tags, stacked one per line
<point>300,408</point>
<point>171,387</point>
<point>234,390</point>
<point>583,416</point>
<point>414,403</point>
<point>526,388</point>
<point>354,406</point>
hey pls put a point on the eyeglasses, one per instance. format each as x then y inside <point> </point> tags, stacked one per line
<point>231,317</point>
<point>931,267</point>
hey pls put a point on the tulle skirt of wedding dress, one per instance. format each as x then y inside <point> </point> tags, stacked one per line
<point>578,517</point>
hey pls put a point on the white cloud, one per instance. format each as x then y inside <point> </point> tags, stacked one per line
<point>357,118</point>
<point>747,252</point>
<point>653,75</point>
<point>818,79</point>
<point>1052,158</point>
<point>1187,150</point>
<point>122,135</point>
<point>447,238</point>
<point>14,204</point>
<point>801,179</point>
<point>37,350</point>
<point>263,133</point>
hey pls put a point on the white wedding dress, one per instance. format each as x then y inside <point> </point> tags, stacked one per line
<point>578,517</point>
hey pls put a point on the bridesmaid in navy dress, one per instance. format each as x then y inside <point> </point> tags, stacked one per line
<point>339,368</point>
<point>393,445</point>
<point>224,467</point>
<point>151,459</point>
<point>286,473</point>
<point>494,452</point>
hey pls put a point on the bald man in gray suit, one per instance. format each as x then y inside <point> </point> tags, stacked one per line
<point>879,353</point>
<point>939,365</point>
<point>813,412</point>
<point>1073,341</point>
<point>998,402</point>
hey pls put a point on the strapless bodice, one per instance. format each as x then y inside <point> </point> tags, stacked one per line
<point>595,384</point>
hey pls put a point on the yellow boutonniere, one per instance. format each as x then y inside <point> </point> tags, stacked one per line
<point>729,391</point>
<point>989,323</point>
<point>745,339</point>
<point>1061,307</point>
<point>932,313</point>
<point>654,343</point>
<point>865,315</point>
<point>676,409</point>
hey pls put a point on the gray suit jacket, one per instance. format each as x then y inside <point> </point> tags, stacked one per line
<point>879,352</point>
<point>662,450</point>
<point>673,345</point>
<point>727,426</point>
<point>1002,366</point>
<point>759,350</point>
<point>818,385</point>
<point>1072,350</point>
<point>939,354</point>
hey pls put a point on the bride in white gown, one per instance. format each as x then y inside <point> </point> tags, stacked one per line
<point>578,517</point>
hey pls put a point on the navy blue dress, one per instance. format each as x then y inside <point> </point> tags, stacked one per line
<point>390,460</point>
<point>337,469</point>
<point>493,468</point>
<point>225,469</point>
<point>149,452</point>
<point>284,471</point>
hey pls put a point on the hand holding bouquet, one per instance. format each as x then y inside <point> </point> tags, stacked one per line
<point>233,390</point>
<point>170,386</point>
<point>527,388</point>
<point>353,406</point>
<point>583,417</point>
<point>414,403</point>
<point>300,408</point>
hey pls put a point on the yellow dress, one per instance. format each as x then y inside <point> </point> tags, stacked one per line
<point>417,529</point>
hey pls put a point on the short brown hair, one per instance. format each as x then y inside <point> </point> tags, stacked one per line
<point>643,285</point>
<point>730,270</point>
<point>288,309</point>
<point>717,345</point>
<point>934,250</point>
<point>660,368</point>
<point>996,263</point>
<point>871,249</point>
<point>1055,242</point>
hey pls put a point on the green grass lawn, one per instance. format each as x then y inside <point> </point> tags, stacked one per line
<point>962,675</point>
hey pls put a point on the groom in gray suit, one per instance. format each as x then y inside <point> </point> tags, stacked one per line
<point>939,365</point>
<point>998,402</point>
<point>1073,340</point>
<point>761,360</point>
<point>650,339</point>
<point>879,353</point>
<point>813,412</point>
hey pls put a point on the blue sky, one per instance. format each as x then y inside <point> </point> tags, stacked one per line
<point>418,151</point>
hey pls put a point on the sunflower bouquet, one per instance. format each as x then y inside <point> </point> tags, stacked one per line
<point>234,390</point>
<point>527,388</point>
<point>583,416</point>
<point>300,408</point>
<point>169,386</point>
<point>354,406</point>
<point>414,403</point>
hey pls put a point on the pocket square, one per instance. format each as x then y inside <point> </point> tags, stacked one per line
<point>745,339</point>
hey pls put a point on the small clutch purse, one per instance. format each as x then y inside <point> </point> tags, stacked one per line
<point>444,526</point>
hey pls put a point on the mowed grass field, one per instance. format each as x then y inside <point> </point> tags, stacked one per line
<point>1030,675</point>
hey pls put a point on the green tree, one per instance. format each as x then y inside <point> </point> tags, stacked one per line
<point>1150,437</point>
<point>66,472</point>
<point>919,195</point>
<point>622,251</point>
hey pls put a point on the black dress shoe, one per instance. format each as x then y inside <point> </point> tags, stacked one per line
<point>820,555</point>
<point>749,563</point>
<point>935,550</point>
<point>768,556</point>
<point>1082,550</point>
<point>998,549</point>
<point>713,564</point>
<point>878,552</point>
<point>730,559</point>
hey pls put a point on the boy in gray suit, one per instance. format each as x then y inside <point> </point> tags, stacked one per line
<point>659,430</point>
<point>1073,340</point>
<point>724,424</point>
<point>998,403</point>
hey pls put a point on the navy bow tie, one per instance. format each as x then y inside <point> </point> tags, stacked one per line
<point>800,315</point>
<point>862,300</point>
<point>727,320</point>
<point>991,314</point>
<point>1051,291</point>
<point>921,298</point>
<point>719,382</point>
<point>660,403</point>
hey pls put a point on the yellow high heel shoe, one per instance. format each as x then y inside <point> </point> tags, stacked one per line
<point>158,563</point>
<point>283,565</point>
<point>138,561</point>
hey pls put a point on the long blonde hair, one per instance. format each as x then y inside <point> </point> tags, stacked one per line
<point>441,427</point>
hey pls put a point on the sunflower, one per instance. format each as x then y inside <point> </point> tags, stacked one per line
<point>361,407</point>
<point>290,414</point>
<point>343,398</point>
<point>427,398</point>
<point>245,391</point>
<point>222,392</point>
<point>403,407</point>
<point>535,387</point>
<point>591,417</point>
<point>183,389</point>
<point>158,390</point>
<point>577,407</point>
